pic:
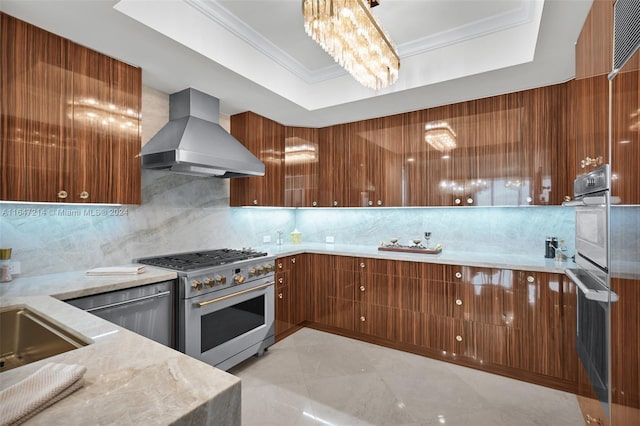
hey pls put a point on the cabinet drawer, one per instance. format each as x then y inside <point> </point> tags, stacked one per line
<point>282,279</point>
<point>285,263</point>
<point>486,303</point>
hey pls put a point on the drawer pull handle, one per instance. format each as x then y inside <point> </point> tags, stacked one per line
<point>279,265</point>
<point>370,203</point>
<point>281,280</point>
<point>335,203</point>
<point>458,274</point>
<point>459,338</point>
<point>362,265</point>
<point>255,202</point>
<point>84,195</point>
<point>280,296</point>
<point>314,204</point>
<point>293,260</point>
<point>469,200</point>
<point>362,288</point>
<point>62,194</point>
<point>459,302</point>
<point>457,201</point>
<point>379,202</point>
<point>530,279</point>
<point>362,318</point>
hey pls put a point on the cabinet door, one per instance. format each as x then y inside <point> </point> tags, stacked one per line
<point>265,139</point>
<point>426,171</point>
<point>490,296</point>
<point>592,122</point>
<point>375,158</point>
<point>333,167</point>
<point>625,138</point>
<point>106,129</point>
<point>283,319</point>
<point>332,299</point>
<point>542,341</point>
<point>546,141</point>
<point>301,160</point>
<point>36,115</point>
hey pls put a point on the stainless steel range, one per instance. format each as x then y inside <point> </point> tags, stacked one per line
<point>225,303</point>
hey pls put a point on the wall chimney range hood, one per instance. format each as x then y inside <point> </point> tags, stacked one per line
<point>194,143</point>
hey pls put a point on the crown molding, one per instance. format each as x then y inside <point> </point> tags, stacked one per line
<point>214,11</point>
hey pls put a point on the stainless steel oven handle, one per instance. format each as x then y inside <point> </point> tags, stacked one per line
<point>586,201</point>
<point>126,302</point>
<point>229,296</point>
<point>591,294</point>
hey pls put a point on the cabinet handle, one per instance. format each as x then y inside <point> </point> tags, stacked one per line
<point>335,203</point>
<point>370,202</point>
<point>362,288</point>
<point>459,302</point>
<point>595,420</point>
<point>84,195</point>
<point>379,202</point>
<point>530,279</point>
<point>280,280</point>
<point>362,265</point>
<point>457,201</point>
<point>362,318</point>
<point>469,200</point>
<point>255,202</point>
<point>280,296</point>
<point>588,161</point>
<point>314,204</point>
<point>293,260</point>
<point>458,274</point>
<point>62,194</point>
<point>279,265</point>
<point>459,338</point>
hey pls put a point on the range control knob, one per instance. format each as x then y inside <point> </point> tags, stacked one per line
<point>253,272</point>
<point>238,279</point>
<point>271,267</point>
<point>209,282</point>
<point>261,270</point>
<point>196,285</point>
<point>221,279</point>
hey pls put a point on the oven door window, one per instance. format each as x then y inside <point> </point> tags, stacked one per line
<point>591,234</point>
<point>228,323</point>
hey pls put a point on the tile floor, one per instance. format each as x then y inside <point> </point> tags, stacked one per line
<point>316,378</point>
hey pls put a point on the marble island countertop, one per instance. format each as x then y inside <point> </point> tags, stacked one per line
<point>130,380</point>
<point>448,257</point>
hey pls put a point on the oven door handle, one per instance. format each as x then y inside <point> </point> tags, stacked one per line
<point>587,201</point>
<point>591,293</point>
<point>229,296</point>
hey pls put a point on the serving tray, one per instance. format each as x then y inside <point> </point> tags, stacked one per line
<point>410,249</point>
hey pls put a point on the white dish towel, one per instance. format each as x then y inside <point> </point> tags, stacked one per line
<point>45,387</point>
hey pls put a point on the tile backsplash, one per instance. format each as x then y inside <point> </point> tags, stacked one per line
<point>183,213</point>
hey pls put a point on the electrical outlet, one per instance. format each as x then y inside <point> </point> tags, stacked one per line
<point>14,267</point>
<point>266,239</point>
<point>329,239</point>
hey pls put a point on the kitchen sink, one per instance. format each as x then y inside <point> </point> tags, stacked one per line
<point>27,336</point>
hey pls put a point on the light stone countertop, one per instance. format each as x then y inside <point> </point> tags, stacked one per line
<point>468,258</point>
<point>134,380</point>
<point>130,380</point>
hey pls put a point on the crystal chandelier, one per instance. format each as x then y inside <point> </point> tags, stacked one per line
<point>440,136</point>
<point>348,31</point>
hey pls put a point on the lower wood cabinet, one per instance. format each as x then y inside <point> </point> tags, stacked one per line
<point>516,323</point>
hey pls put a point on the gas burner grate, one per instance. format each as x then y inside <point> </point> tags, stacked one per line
<point>202,259</point>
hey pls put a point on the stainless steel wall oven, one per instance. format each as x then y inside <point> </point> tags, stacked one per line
<point>591,277</point>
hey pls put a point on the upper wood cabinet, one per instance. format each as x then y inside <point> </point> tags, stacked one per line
<point>504,150</point>
<point>70,121</point>
<point>625,133</point>
<point>549,143</point>
<point>301,165</point>
<point>375,162</point>
<point>594,48</point>
<point>265,139</point>
<point>333,169</point>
